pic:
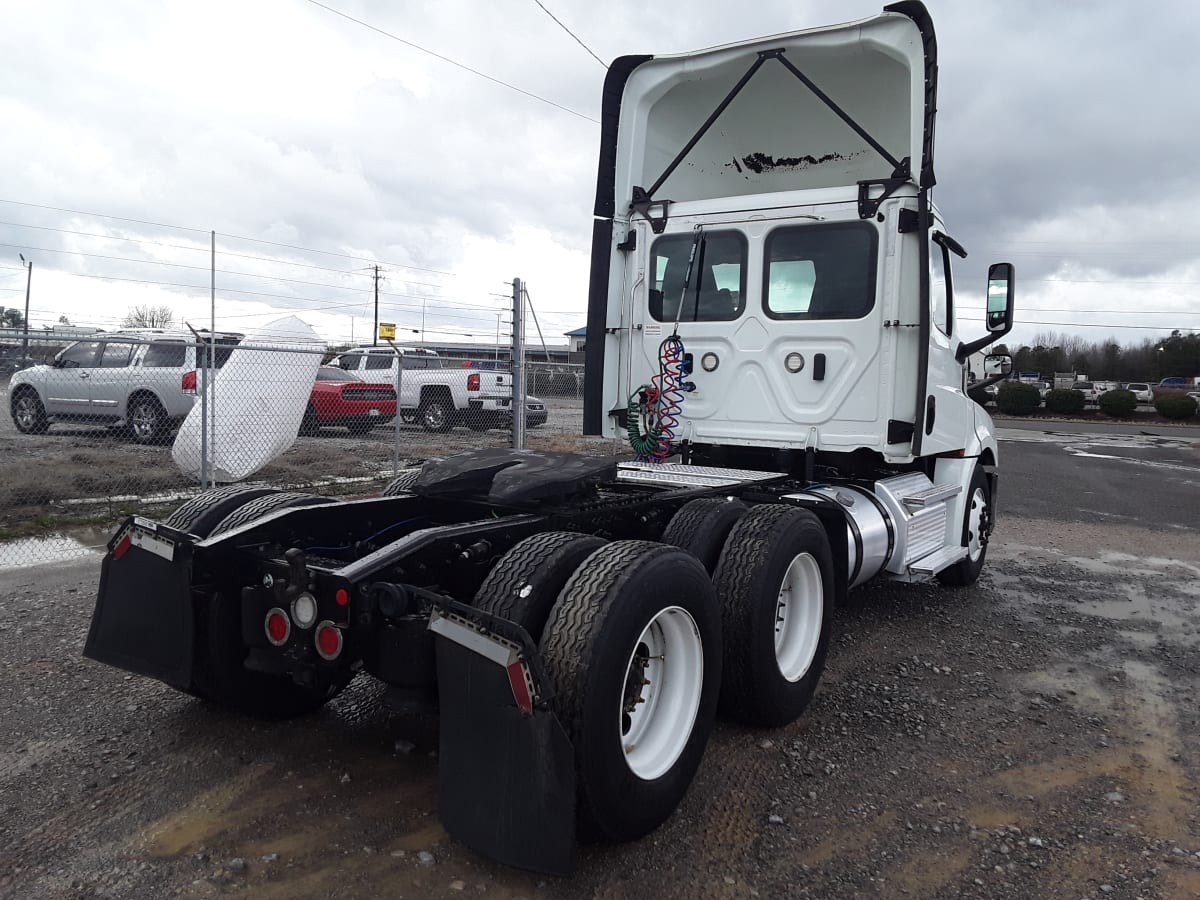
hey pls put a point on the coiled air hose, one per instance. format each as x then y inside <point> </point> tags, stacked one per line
<point>653,411</point>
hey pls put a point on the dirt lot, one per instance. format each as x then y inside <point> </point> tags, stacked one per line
<point>1036,735</point>
<point>88,475</point>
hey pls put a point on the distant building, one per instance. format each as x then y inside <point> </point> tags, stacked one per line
<point>577,339</point>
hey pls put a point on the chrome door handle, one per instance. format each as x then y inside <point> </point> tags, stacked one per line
<point>84,375</point>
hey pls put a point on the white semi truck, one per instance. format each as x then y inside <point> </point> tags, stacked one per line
<point>771,284</point>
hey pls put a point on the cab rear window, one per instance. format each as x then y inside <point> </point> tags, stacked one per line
<point>820,271</point>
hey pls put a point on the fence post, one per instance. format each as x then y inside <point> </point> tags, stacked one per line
<point>518,367</point>
<point>396,420</point>
<point>211,359</point>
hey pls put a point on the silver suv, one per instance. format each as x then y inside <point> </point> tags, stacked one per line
<point>144,381</point>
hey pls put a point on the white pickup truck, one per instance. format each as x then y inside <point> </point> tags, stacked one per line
<point>437,398</point>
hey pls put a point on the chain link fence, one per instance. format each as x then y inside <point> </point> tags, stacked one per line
<point>101,426</point>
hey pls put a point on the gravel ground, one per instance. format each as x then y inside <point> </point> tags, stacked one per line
<point>1035,735</point>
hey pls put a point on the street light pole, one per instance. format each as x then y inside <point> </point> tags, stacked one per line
<point>28,280</point>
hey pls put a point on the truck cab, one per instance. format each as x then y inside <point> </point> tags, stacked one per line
<point>769,204</point>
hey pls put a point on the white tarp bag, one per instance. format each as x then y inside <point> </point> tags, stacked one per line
<point>255,402</point>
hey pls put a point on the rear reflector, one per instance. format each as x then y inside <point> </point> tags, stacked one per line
<point>520,688</point>
<point>277,626</point>
<point>328,640</point>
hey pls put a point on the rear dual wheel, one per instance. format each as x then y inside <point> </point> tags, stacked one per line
<point>776,584</point>
<point>630,637</point>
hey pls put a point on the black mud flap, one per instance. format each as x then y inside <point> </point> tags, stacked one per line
<point>143,618</point>
<point>506,775</point>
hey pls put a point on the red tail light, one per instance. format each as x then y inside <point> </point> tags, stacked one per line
<point>189,382</point>
<point>473,381</point>
<point>277,626</point>
<point>328,640</point>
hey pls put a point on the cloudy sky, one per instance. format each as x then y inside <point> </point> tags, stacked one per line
<point>1067,144</point>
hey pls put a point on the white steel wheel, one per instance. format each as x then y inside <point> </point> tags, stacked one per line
<point>798,615</point>
<point>976,520</point>
<point>663,683</point>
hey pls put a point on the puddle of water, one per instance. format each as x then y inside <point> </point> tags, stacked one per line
<point>36,551</point>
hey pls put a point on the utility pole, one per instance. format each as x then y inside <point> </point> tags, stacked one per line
<point>375,333</point>
<point>518,367</point>
<point>28,281</point>
<point>422,320</point>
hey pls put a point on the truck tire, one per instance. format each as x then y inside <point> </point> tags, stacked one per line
<point>525,583</point>
<point>975,530</point>
<point>198,515</point>
<point>256,509</point>
<point>633,656</point>
<point>776,584</point>
<point>402,483</point>
<point>220,676</point>
<point>28,413</point>
<point>701,526</point>
<point>436,413</point>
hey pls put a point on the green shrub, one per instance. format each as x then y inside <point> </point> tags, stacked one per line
<point>1119,403</point>
<point>1175,406</point>
<point>1018,399</point>
<point>1065,400</point>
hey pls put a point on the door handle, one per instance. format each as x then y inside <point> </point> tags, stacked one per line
<point>84,375</point>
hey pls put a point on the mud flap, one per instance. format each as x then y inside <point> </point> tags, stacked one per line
<point>506,774</point>
<point>143,619</point>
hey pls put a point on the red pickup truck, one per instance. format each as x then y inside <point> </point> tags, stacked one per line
<point>342,398</point>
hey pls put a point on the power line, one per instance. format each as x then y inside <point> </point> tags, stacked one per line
<point>1080,324</point>
<point>158,262</point>
<point>571,33</point>
<point>1119,312</point>
<point>446,59</point>
<point>236,237</point>
<point>199,249</point>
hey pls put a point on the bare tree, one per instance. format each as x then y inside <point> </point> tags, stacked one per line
<point>149,317</point>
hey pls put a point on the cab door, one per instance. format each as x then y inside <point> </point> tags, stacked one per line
<point>781,318</point>
<point>948,412</point>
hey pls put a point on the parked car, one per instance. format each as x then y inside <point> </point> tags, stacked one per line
<point>143,381</point>
<point>341,398</point>
<point>1141,390</point>
<point>1088,389</point>
<point>535,412</point>
<point>436,398</point>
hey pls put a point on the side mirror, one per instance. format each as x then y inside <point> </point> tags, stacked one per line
<point>1001,288</point>
<point>998,364</point>
<point>999,313</point>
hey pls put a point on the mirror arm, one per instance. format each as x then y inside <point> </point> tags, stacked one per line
<point>965,350</point>
<point>986,382</point>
